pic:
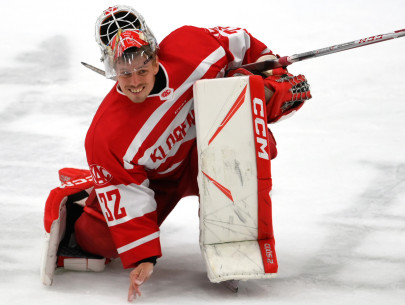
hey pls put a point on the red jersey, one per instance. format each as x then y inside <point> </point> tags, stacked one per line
<point>130,144</point>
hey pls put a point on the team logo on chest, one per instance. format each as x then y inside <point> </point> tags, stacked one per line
<point>176,136</point>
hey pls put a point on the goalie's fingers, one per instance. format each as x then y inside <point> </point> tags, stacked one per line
<point>134,283</point>
<point>137,277</point>
<point>133,291</point>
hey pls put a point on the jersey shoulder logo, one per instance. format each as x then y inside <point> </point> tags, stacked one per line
<point>167,94</point>
<point>100,175</point>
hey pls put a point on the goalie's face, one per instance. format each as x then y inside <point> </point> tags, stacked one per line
<point>137,78</point>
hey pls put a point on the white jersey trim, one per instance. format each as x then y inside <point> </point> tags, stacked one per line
<point>237,37</point>
<point>138,242</point>
<point>119,90</point>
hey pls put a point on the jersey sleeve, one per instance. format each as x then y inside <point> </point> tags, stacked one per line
<point>127,203</point>
<point>240,46</point>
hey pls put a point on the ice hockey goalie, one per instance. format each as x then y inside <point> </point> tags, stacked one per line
<point>234,180</point>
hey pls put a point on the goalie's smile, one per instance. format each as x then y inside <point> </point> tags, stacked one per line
<point>135,91</point>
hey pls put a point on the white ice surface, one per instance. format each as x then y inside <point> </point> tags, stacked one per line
<point>339,179</point>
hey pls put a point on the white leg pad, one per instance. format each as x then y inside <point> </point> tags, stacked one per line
<point>236,235</point>
<point>51,244</point>
<point>55,220</point>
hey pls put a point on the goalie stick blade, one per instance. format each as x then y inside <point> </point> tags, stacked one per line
<point>92,68</point>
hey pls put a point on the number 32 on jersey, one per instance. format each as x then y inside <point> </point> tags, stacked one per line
<point>110,204</point>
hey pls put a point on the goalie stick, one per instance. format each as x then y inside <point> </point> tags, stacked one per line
<point>288,60</point>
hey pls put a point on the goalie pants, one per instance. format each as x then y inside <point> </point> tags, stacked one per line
<point>91,230</point>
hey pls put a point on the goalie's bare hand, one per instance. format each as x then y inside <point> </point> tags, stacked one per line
<point>137,277</point>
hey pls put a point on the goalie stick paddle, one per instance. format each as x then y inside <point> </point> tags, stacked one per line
<point>92,68</point>
<point>288,60</point>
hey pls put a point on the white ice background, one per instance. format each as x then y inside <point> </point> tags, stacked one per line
<point>339,179</point>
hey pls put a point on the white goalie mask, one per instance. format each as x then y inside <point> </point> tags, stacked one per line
<point>118,29</point>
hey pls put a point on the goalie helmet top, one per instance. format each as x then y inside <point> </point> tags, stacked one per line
<point>122,34</point>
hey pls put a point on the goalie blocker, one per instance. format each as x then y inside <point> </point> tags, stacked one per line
<point>234,179</point>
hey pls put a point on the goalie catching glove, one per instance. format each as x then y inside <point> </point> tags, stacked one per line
<point>284,92</point>
<point>289,94</point>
